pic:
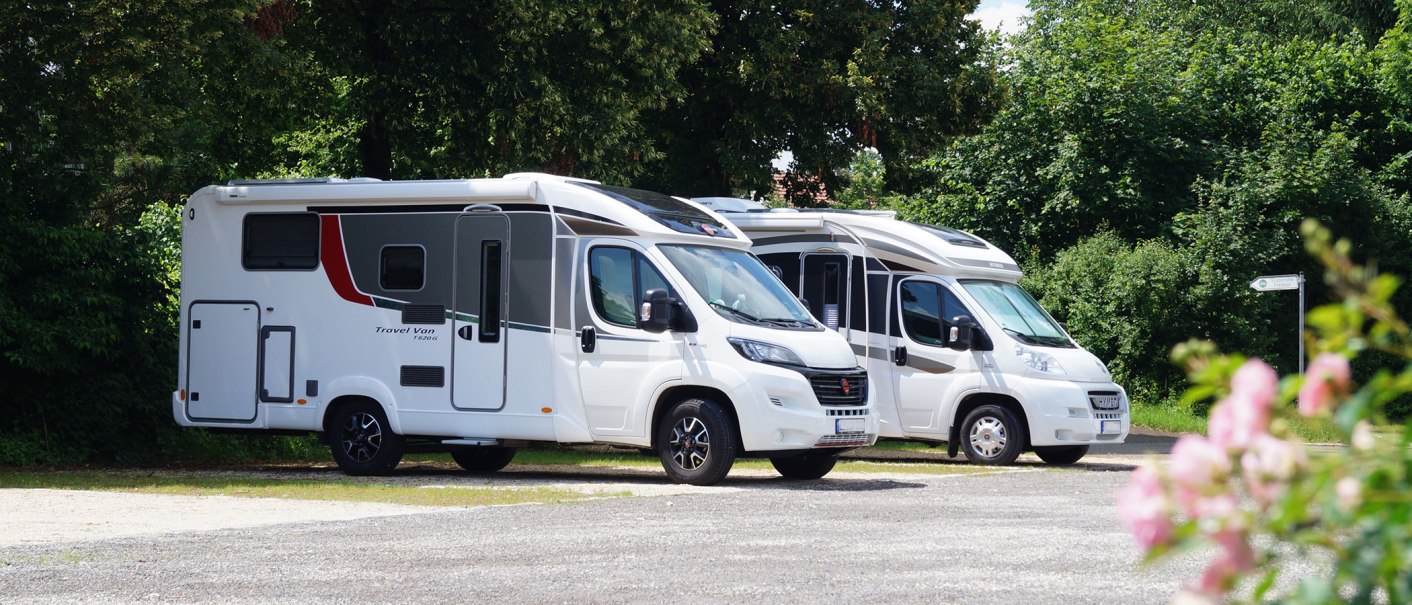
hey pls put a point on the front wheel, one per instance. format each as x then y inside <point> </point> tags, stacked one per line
<point>1062,454</point>
<point>992,435</point>
<point>486,459</point>
<point>805,466</point>
<point>696,442</point>
<point>363,441</point>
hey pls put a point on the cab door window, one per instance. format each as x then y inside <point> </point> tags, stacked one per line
<point>618,277</point>
<point>927,311</point>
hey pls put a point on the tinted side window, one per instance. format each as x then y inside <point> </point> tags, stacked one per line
<point>611,284</point>
<point>921,316</point>
<point>619,277</point>
<point>403,268</point>
<point>273,242</point>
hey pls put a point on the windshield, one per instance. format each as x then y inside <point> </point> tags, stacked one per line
<point>1017,312</point>
<point>738,286</point>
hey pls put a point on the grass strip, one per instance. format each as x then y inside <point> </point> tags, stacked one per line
<point>345,490</point>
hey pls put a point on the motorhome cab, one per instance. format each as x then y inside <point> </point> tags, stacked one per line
<point>479,315</point>
<point>957,350</point>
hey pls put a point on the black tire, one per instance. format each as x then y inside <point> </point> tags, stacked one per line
<point>485,459</point>
<point>697,443</point>
<point>362,440</point>
<point>992,435</point>
<point>805,466</point>
<point>1061,454</point>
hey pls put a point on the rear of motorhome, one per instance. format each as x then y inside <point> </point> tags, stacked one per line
<point>958,351</point>
<point>478,316</point>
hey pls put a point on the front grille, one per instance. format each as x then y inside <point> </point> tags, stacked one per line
<point>1105,401</point>
<point>840,389</point>
<point>1108,415</point>
<point>843,440</point>
<point>857,412</point>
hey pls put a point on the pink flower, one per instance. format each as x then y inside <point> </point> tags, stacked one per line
<point>1255,381</point>
<point>1349,492</point>
<point>1327,377</point>
<point>1144,509</point>
<point>1217,512</point>
<point>1269,465</point>
<point>1198,464</point>
<point>1236,420</point>
<point>1235,558</point>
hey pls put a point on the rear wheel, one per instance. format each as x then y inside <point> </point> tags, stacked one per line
<point>992,435</point>
<point>696,442</point>
<point>362,440</point>
<point>486,459</point>
<point>1063,454</point>
<point>805,466</point>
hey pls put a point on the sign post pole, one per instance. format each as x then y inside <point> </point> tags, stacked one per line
<point>1267,283</point>
<point>1301,323</point>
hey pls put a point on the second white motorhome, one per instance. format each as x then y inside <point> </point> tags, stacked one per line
<point>478,315</point>
<point>957,350</point>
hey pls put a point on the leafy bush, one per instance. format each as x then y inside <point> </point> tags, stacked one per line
<point>1250,489</point>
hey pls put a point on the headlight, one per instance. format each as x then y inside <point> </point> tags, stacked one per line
<point>764,352</point>
<point>1040,362</point>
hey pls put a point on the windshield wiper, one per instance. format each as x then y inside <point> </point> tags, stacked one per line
<point>1052,341</point>
<point>1025,338</point>
<point>734,311</point>
<point>787,321</point>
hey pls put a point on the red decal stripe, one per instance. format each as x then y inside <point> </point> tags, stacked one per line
<point>335,262</point>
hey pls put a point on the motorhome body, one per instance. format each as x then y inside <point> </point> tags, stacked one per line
<point>477,315</point>
<point>958,352</point>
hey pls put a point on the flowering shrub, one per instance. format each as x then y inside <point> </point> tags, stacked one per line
<point>1261,498</point>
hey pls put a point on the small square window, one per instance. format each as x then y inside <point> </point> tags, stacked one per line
<point>403,268</point>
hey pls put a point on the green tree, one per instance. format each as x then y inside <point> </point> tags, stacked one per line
<point>474,88</point>
<point>822,80</point>
<point>107,108</point>
<point>1210,130</point>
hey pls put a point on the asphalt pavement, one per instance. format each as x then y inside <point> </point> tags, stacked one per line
<point>1026,534</point>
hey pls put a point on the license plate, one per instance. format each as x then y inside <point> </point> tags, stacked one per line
<point>1110,427</point>
<point>849,425</point>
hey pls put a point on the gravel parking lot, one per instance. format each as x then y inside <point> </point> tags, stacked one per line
<point>1029,534</point>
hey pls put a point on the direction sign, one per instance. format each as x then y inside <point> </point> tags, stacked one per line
<point>1266,283</point>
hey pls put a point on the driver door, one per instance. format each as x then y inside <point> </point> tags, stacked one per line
<point>619,365</point>
<point>932,374</point>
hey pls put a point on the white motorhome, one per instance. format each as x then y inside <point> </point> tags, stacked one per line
<point>958,351</point>
<point>477,316</point>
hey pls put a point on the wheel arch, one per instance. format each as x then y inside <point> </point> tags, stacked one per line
<point>975,400</point>
<point>674,394</point>
<point>349,388</point>
<point>338,403</point>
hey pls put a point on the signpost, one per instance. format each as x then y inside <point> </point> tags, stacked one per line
<point>1268,283</point>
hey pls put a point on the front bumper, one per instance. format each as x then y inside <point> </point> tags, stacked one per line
<point>1077,413</point>
<point>779,411</point>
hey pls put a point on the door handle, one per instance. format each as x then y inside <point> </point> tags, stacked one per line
<point>587,339</point>
<point>899,356</point>
<point>466,332</point>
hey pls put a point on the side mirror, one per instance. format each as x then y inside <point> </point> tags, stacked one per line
<point>655,316</point>
<point>963,333</point>
<point>660,312</point>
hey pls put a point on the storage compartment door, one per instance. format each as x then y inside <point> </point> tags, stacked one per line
<point>223,361</point>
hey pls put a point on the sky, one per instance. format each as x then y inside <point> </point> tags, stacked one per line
<point>1002,14</point>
